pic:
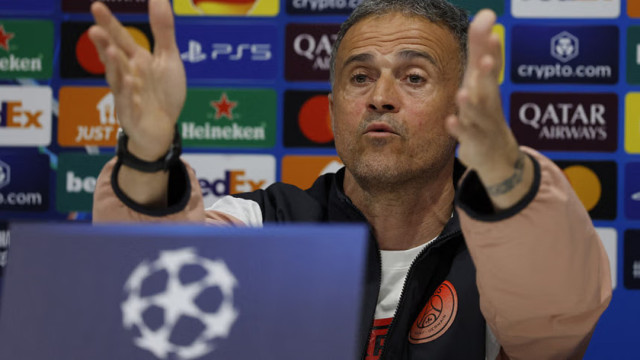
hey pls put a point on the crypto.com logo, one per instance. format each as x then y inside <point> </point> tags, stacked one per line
<point>565,47</point>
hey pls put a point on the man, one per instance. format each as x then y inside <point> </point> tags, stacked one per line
<point>529,279</point>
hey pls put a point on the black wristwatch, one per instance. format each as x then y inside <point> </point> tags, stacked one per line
<point>164,163</point>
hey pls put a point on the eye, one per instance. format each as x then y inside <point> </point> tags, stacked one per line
<point>359,78</point>
<point>415,79</point>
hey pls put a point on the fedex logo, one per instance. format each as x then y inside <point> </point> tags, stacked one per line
<point>234,182</point>
<point>221,175</point>
<point>25,115</point>
<point>254,52</point>
<point>12,114</point>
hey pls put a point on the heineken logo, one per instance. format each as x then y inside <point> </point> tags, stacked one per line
<point>224,107</point>
<point>5,37</point>
<point>26,49</point>
<point>229,118</point>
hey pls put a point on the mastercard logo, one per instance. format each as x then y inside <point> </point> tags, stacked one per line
<point>87,54</point>
<point>314,119</point>
<point>226,7</point>
<point>595,184</point>
<point>586,184</point>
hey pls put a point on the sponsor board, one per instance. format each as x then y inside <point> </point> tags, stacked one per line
<point>308,51</point>
<point>633,55</point>
<point>307,122</point>
<point>632,259</point>
<point>595,183</point>
<point>632,123</point>
<point>632,190</point>
<point>25,115</point>
<point>221,175</point>
<point>302,171</point>
<point>229,118</point>
<point>227,7</point>
<point>565,121</point>
<point>232,51</point>
<point>564,54</point>
<point>87,117</point>
<point>318,7</point>
<point>79,57</point>
<point>122,6</point>
<point>565,8</point>
<point>24,182</point>
<point>473,6</point>
<point>76,180</point>
<point>27,6</point>
<point>26,49</point>
<point>633,8</point>
<point>609,237</point>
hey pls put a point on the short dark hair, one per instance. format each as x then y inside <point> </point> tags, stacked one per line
<point>441,12</point>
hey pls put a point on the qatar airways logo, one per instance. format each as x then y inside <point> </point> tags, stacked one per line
<point>309,51</point>
<point>581,122</point>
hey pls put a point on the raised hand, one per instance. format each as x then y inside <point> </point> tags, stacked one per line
<point>486,143</point>
<point>149,88</point>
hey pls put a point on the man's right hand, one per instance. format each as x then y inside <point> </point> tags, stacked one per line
<point>149,88</point>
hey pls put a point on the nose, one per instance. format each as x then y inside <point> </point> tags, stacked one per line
<point>384,96</point>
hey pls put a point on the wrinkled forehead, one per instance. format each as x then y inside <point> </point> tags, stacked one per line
<point>396,35</point>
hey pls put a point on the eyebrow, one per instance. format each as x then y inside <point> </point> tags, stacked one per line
<point>412,54</point>
<point>404,55</point>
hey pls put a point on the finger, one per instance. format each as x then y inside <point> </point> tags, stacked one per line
<point>496,46</point>
<point>100,40</point>
<point>113,27</point>
<point>479,33</point>
<point>162,26</point>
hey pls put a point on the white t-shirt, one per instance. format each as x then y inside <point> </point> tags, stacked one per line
<point>395,267</point>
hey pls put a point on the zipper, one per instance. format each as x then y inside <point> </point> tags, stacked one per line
<point>404,286</point>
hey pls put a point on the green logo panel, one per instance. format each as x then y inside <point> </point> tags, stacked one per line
<point>229,118</point>
<point>473,6</point>
<point>26,49</point>
<point>76,180</point>
<point>633,55</point>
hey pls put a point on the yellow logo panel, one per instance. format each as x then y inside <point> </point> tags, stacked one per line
<point>227,7</point>
<point>499,30</point>
<point>632,123</point>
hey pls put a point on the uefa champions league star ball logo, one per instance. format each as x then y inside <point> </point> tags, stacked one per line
<point>178,300</point>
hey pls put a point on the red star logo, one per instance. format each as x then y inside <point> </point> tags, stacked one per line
<point>224,107</point>
<point>5,37</point>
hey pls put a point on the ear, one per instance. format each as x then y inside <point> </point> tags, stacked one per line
<point>330,96</point>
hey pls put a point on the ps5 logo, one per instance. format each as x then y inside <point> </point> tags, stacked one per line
<point>565,47</point>
<point>255,52</point>
<point>5,174</point>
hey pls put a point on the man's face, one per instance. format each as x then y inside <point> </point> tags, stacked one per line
<point>396,77</point>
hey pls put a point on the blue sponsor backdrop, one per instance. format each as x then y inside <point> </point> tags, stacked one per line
<point>599,44</point>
